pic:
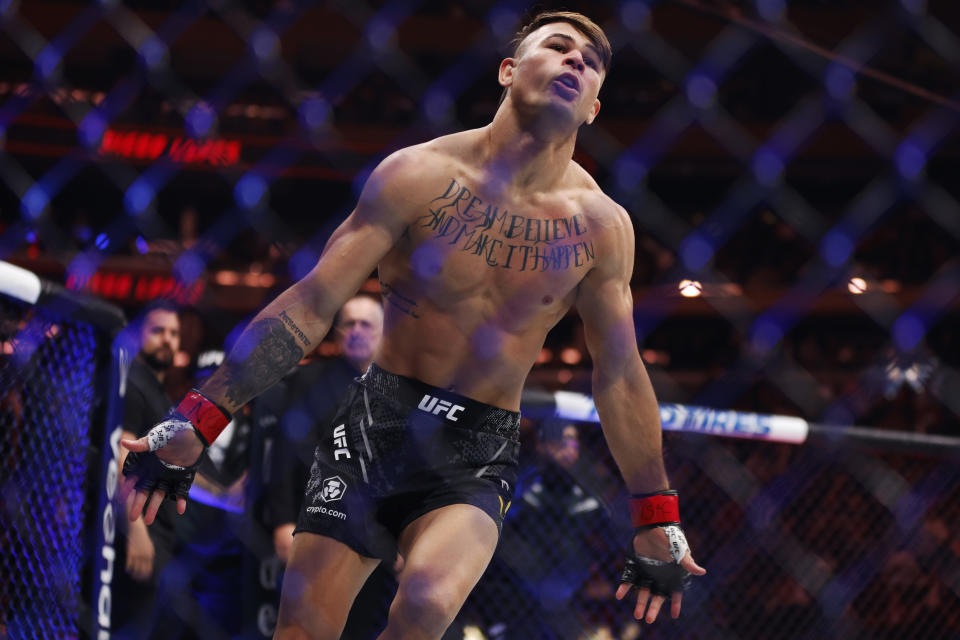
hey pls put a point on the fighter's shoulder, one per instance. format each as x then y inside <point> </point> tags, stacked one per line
<point>411,168</point>
<point>598,208</point>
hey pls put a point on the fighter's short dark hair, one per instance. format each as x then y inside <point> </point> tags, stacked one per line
<point>580,22</point>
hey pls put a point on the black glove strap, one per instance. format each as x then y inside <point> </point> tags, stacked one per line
<point>153,475</point>
<point>662,578</point>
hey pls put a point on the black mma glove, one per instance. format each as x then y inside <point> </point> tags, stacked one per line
<point>195,412</point>
<point>152,474</point>
<point>660,509</point>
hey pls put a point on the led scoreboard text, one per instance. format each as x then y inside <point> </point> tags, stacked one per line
<point>146,145</point>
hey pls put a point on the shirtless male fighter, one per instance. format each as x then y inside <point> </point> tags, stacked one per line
<point>482,241</point>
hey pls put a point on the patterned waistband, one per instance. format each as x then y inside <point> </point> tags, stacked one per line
<point>455,409</point>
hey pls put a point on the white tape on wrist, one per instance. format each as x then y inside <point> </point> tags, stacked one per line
<point>677,541</point>
<point>163,433</point>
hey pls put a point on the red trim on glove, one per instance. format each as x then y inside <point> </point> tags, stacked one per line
<point>657,509</point>
<point>205,416</point>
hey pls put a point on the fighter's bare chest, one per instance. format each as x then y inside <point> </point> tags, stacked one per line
<point>462,228</point>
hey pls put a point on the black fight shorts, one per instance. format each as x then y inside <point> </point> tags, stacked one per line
<point>399,448</point>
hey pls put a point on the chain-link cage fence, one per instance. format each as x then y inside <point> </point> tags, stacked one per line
<point>790,166</point>
<point>48,382</point>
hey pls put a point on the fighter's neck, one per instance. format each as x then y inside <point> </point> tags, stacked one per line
<point>524,155</point>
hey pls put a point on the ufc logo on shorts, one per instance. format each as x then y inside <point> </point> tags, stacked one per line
<point>340,441</point>
<point>437,406</point>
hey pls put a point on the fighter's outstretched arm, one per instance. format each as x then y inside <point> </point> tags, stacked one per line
<point>286,329</point>
<point>630,416</point>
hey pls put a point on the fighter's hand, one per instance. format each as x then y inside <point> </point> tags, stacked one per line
<point>164,462</point>
<point>659,566</point>
<point>161,464</point>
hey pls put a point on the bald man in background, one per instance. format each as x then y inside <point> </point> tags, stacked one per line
<point>316,390</point>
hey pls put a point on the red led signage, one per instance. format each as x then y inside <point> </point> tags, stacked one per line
<point>139,288</point>
<point>144,145</point>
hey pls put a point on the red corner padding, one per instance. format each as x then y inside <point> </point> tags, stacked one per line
<point>655,509</point>
<point>204,415</point>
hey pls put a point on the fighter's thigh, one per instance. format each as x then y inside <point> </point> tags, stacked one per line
<point>321,582</point>
<point>445,552</point>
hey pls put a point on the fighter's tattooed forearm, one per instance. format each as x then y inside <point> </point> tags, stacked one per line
<point>505,240</point>
<point>265,352</point>
<point>396,299</point>
<point>287,320</point>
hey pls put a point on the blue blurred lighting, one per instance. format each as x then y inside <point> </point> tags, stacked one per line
<point>701,90</point>
<point>767,166</point>
<point>839,81</point>
<point>835,247</point>
<point>766,334</point>
<point>153,52</point>
<point>264,44</point>
<point>908,331</point>
<point>301,263</point>
<point>695,252</point>
<point>249,190</point>
<point>771,10</point>
<point>188,267</point>
<point>629,172</point>
<point>437,105</point>
<point>47,60</point>
<point>200,120</point>
<point>634,14</point>
<point>102,241</point>
<point>915,6</point>
<point>360,180</point>
<point>34,201</point>
<point>427,261</point>
<point>910,159</point>
<point>91,128</point>
<point>380,34</point>
<point>138,197</point>
<point>502,21</point>
<point>314,112</point>
<point>142,245</point>
<point>82,267</point>
<point>31,236</point>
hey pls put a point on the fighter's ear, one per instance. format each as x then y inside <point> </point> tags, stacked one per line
<point>507,67</point>
<point>593,112</point>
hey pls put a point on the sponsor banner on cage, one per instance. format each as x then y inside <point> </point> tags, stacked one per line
<point>733,424</point>
<point>678,417</point>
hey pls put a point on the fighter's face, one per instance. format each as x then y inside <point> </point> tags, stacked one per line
<point>160,338</point>
<point>556,65</point>
<point>360,327</point>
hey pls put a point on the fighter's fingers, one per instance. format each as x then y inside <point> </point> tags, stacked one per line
<point>691,566</point>
<point>642,596</point>
<point>181,504</point>
<point>135,504</point>
<point>675,601</point>
<point>623,590</point>
<point>654,609</point>
<point>154,505</point>
<point>139,445</point>
<point>127,484</point>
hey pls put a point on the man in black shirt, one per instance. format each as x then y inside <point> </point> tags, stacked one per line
<point>148,548</point>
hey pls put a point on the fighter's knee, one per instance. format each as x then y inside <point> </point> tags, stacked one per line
<point>424,600</point>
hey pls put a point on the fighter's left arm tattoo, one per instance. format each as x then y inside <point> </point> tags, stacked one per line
<point>265,352</point>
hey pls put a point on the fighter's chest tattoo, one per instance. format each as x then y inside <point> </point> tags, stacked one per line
<point>502,239</point>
